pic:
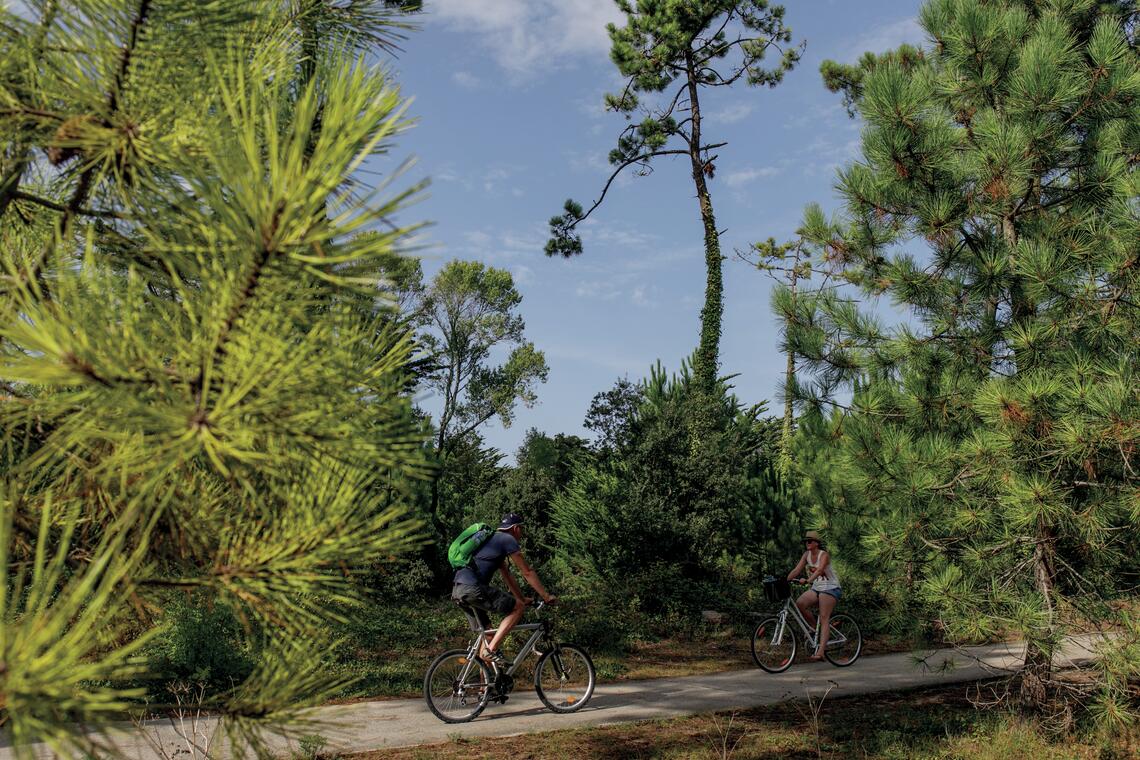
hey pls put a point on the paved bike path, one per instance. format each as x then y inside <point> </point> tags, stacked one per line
<point>403,722</point>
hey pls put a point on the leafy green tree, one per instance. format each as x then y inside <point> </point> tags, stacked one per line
<point>191,404</point>
<point>679,48</point>
<point>468,311</point>
<point>543,468</point>
<point>474,473</point>
<point>611,416</point>
<point>993,434</point>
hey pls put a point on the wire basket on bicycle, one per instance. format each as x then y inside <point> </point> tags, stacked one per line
<point>777,589</point>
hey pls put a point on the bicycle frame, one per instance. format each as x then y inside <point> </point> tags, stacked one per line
<point>540,629</point>
<point>811,636</point>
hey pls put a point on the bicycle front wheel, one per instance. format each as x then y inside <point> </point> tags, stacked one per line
<point>771,655</point>
<point>564,678</point>
<point>457,688</point>
<point>844,641</point>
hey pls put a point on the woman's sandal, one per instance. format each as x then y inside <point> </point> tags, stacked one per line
<point>816,658</point>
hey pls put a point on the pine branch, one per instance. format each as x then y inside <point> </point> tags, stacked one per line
<point>50,204</point>
<point>613,176</point>
<point>87,178</point>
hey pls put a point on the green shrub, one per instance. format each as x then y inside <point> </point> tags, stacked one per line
<point>202,643</point>
<point>603,624</point>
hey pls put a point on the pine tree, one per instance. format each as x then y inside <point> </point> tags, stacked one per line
<point>790,265</point>
<point>662,516</point>
<point>686,45</point>
<point>201,396</point>
<point>992,435</point>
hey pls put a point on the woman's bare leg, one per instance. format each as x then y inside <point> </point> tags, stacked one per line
<point>826,606</point>
<point>805,603</point>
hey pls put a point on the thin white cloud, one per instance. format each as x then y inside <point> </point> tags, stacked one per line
<point>887,37</point>
<point>477,238</point>
<point>591,161</point>
<point>490,179</point>
<point>603,233</point>
<point>522,274</point>
<point>528,241</point>
<point>466,80</point>
<point>660,259</point>
<point>733,113</point>
<point>645,296</point>
<point>525,36</point>
<point>500,246</point>
<point>826,155</point>
<point>624,363</point>
<point>493,176</point>
<point>745,176</point>
<point>600,290</point>
<point>832,116</point>
<point>448,173</point>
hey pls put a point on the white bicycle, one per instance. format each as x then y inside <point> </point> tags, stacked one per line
<point>774,640</point>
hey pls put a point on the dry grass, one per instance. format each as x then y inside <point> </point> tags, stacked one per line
<point>712,652</point>
<point>936,724</point>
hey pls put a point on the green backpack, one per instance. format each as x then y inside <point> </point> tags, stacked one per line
<point>465,545</point>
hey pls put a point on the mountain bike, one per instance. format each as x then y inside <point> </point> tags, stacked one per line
<point>774,640</point>
<point>458,685</point>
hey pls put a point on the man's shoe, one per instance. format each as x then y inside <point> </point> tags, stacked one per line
<point>496,660</point>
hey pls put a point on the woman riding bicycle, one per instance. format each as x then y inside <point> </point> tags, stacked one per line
<point>825,589</point>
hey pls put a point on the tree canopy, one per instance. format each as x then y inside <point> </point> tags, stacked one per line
<point>992,433</point>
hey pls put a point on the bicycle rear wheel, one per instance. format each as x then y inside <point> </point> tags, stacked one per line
<point>767,653</point>
<point>845,641</point>
<point>564,678</point>
<point>457,688</point>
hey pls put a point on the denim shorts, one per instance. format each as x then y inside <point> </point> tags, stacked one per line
<point>836,592</point>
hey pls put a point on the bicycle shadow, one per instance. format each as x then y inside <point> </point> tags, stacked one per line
<point>598,703</point>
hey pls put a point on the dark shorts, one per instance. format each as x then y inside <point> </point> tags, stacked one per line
<point>836,592</point>
<point>480,600</point>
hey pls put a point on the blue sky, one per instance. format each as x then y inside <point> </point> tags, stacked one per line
<point>508,97</point>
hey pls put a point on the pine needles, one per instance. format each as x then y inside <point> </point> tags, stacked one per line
<point>201,392</point>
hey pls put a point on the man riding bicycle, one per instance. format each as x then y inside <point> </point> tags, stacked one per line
<point>472,586</point>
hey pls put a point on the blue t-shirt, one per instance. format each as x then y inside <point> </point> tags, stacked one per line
<point>488,559</point>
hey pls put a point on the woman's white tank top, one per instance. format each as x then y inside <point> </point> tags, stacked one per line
<point>826,582</point>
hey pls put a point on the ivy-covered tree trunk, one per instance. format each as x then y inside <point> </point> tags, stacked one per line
<point>707,358</point>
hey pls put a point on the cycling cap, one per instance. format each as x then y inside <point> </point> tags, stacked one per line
<point>510,520</point>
